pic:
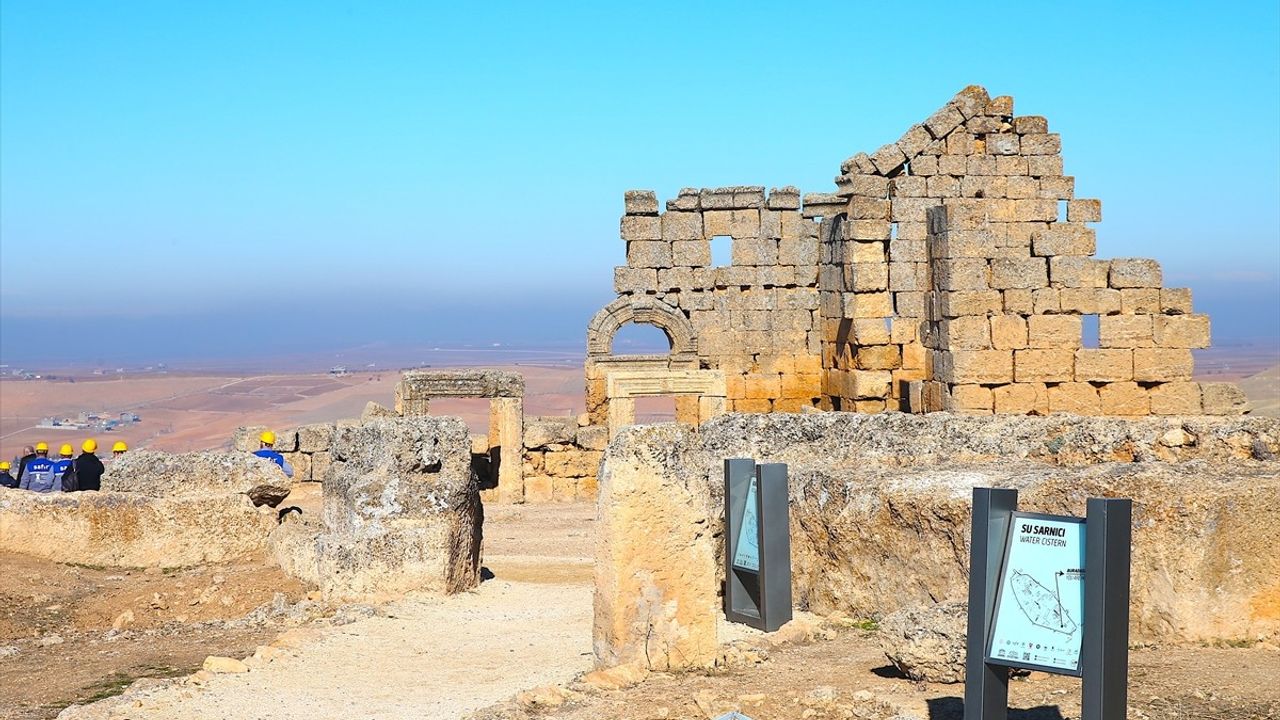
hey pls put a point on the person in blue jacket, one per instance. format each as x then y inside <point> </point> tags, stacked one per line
<point>37,475</point>
<point>268,440</point>
<point>62,465</point>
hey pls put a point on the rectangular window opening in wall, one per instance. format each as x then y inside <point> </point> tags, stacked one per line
<point>893,231</point>
<point>657,409</point>
<point>721,251</point>
<point>1062,211</point>
<point>1089,331</point>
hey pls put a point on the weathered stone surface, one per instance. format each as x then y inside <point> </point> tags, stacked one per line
<point>872,494</point>
<point>114,529</point>
<point>655,575</point>
<point>160,474</point>
<point>374,410</point>
<point>593,437</point>
<point>927,642</point>
<point>245,437</point>
<point>316,438</point>
<point>540,432</point>
<point>401,510</point>
<point>460,383</point>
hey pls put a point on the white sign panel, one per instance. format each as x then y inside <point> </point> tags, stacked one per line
<point>1039,614</point>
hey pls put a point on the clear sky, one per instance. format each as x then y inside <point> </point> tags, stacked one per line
<point>383,171</point>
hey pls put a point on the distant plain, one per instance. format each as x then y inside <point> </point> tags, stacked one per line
<point>195,409</point>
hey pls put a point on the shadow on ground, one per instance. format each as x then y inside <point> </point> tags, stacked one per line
<point>952,708</point>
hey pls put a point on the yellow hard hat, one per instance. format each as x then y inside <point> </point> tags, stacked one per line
<point>119,446</point>
<point>4,465</point>
<point>42,446</point>
<point>268,437</point>
<point>89,445</point>
<point>65,450</point>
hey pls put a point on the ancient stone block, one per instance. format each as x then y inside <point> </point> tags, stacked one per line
<point>1096,365</point>
<point>1044,165</point>
<point>1175,301</point>
<point>1135,273</point>
<point>1078,272</point>
<point>1088,301</point>
<point>690,253</point>
<point>401,510</point>
<point>962,274</point>
<point>321,466</point>
<point>913,141</point>
<point>888,158</point>
<point>1125,331</point>
<point>868,305</point>
<point>1054,331</point>
<point>1041,144</point>
<point>754,251</point>
<point>1140,301</point>
<point>971,302</point>
<point>967,333</point>
<point>878,357</point>
<point>1124,398</point>
<point>649,254</point>
<point>539,489</point>
<point>1008,332</point>
<point>925,165</point>
<point>1161,364</point>
<point>1030,125</point>
<point>640,202</point>
<point>152,473</point>
<point>983,367</point>
<point>1060,239</point>
<point>971,398</point>
<point>641,227</point>
<point>1021,399</point>
<point>571,463</point>
<point>909,186</point>
<point>1084,211</point>
<point>628,280</point>
<point>943,121</point>
<point>952,164</point>
<point>681,226</point>
<point>1181,331</point>
<point>1176,398</point>
<point>1024,273</point>
<point>1043,365</point>
<point>1221,398</point>
<point>1057,188</point>
<point>978,165</point>
<point>798,251</point>
<point>1002,144</point>
<point>539,432</point>
<point>784,198</point>
<point>870,384</point>
<point>1074,397</point>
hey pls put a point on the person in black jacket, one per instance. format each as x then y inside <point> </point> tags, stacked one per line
<point>88,467</point>
<point>7,480</point>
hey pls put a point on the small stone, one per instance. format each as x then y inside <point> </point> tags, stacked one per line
<point>217,664</point>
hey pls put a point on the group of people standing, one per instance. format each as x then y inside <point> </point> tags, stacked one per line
<point>38,472</point>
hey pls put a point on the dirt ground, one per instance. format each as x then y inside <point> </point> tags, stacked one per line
<point>847,676</point>
<point>468,656</point>
<point>70,633</point>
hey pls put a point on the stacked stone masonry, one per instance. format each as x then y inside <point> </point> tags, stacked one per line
<point>951,270</point>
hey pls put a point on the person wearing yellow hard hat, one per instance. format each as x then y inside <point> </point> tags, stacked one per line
<point>88,468</point>
<point>37,474</point>
<point>267,450</point>
<point>119,448</point>
<point>61,466</point>
<point>7,480</point>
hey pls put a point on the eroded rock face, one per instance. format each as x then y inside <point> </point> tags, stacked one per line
<point>927,642</point>
<point>401,510</point>
<point>160,474</point>
<point>132,530</point>
<point>880,506</point>
<point>656,588</point>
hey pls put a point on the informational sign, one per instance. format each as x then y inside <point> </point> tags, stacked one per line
<point>1039,614</point>
<point>747,551</point>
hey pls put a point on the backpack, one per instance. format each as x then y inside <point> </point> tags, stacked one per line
<point>69,480</point>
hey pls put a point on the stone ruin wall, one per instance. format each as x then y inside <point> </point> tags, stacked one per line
<point>950,270</point>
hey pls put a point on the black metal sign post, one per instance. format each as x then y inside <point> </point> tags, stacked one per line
<point>1103,616</point>
<point>757,544</point>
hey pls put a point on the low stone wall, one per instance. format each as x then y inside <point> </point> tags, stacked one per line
<point>880,514</point>
<point>401,513</point>
<point>117,529</point>
<point>561,458</point>
<point>306,448</point>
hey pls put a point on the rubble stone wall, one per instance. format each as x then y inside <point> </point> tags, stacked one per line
<point>874,494</point>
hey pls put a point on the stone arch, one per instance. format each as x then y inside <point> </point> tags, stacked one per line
<point>647,310</point>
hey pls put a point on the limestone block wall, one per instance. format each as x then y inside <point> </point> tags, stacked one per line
<point>755,318</point>
<point>854,301</point>
<point>307,448</point>
<point>561,459</point>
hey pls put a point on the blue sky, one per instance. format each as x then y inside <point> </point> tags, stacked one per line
<point>386,170</point>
